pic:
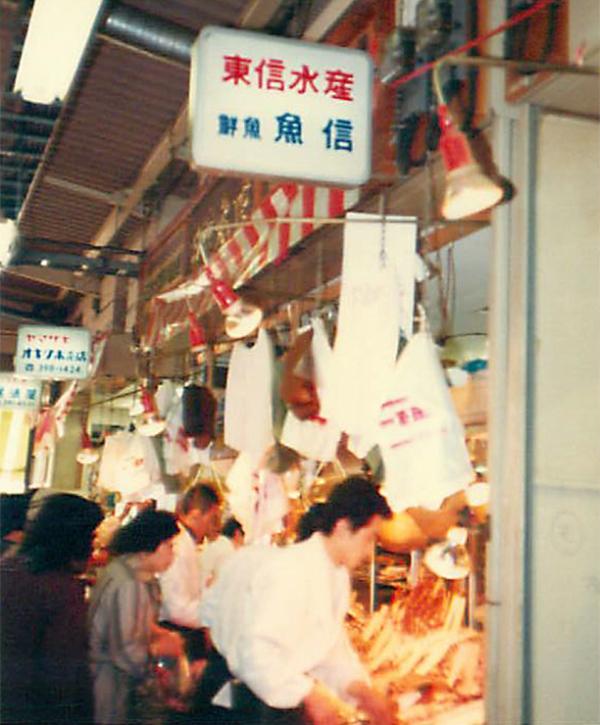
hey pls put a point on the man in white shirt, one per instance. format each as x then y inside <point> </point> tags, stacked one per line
<point>277,616</point>
<point>199,513</point>
<point>215,553</point>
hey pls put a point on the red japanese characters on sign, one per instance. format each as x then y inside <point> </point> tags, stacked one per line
<point>401,418</point>
<point>46,339</point>
<point>272,75</point>
<point>52,352</point>
<point>280,107</point>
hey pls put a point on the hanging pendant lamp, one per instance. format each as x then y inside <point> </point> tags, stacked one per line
<point>469,189</point>
<point>449,559</point>
<point>86,454</point>
<point>241,318</point>
<point>150,423</point>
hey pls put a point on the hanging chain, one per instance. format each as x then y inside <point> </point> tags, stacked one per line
<point>320,282</point>
<point>382,236</point>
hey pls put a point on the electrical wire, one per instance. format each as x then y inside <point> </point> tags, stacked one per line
<point>479,40</point>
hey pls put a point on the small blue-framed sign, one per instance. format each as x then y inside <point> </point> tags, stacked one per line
<point>53,353</point>
<point>278,107</point>
<point>19,394</point>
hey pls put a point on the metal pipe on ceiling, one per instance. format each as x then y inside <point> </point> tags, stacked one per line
<point>24,118</point>
<point>150,33</point>
<point>82,245</point>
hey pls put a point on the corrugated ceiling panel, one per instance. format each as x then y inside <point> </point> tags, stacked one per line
<point>14,283</point>
<point>62,215</point>
<point>124,235</point>
<point>124,106</point>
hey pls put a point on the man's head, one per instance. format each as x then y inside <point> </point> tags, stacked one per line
<point>311,521</point>
<point>200,510</point>
<point>350,520</point>
<point>234,531</point>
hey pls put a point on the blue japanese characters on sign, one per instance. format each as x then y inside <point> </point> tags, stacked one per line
<point>18,394</point>
<point>280,107</point>
<point>58,353</point>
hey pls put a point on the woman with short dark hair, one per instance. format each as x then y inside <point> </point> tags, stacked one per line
<point>45,669</point>
<point>124,634</point>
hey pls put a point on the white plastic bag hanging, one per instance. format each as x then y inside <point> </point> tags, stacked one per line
<point>420,435</point>
<point>376,302</point>
<point>248,417</point>
<point>317,438</point>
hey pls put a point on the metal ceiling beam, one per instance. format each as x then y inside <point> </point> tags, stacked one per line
<point>327,18</point>
<point>28,137</point>
<point>64,260</point>
<point>85,286</point>
<point>15,296</point>
<point>82,246</point>
<point>19,171</point>
<point>22,316</point>
<point>258,13</point>
<point>24,154</point>
<point>23,306</point>
<point>14,182</point>
<point>114,198</point>
<point>25,118</point>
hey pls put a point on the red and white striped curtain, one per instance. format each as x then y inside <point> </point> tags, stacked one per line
<point>252,247</point>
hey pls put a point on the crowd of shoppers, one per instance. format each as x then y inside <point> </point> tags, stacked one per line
<point>265,623</point>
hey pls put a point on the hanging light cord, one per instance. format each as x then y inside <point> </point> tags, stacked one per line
<point>479,40</point>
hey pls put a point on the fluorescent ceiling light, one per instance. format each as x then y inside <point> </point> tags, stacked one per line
<point>56,37</point>
<point>8,234</point>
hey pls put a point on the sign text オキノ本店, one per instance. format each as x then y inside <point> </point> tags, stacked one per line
<point>58,353</point>
<point>272,106</point>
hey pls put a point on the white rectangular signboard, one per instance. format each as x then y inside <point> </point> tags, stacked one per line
<point>18,394</point>
<point>270,106</point>
<point>58,353</point>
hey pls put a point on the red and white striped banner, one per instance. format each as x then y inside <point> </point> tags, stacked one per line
<point>51,421</point>
<point>252,247</point>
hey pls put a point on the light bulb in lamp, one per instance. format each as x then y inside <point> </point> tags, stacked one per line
<point>478,494</point>
<point>449,559</point>
<point>150,423</point>
<point>87,454</point>
<point>136,408</point>
<point>241,318</point>
<point>468,189</point>
<point>478,498</point>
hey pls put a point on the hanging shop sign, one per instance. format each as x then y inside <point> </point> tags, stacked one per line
<point>59,353</point>
<point>16,394</point>
<point>272,106</point>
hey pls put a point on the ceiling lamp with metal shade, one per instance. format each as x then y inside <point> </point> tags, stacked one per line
<point>470,187</point>
<point>449,559</point>
<point>150,423</point>
<point>86,454</point>
<point>241,318</point>
<point>197,335</point>
<point>136,407</point>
